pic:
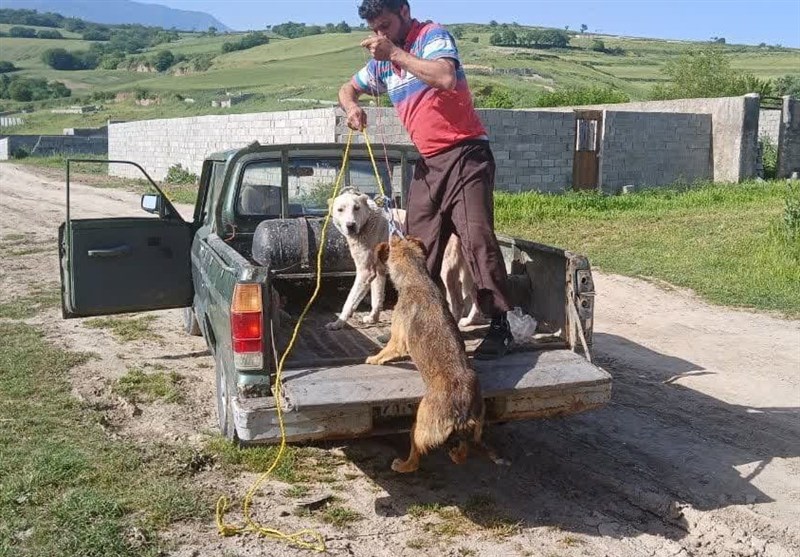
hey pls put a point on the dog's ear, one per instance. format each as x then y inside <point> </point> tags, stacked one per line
<point>382,252</point>
<point>417,242</point>
<point>363,199</point>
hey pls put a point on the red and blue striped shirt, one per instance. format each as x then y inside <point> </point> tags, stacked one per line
<point>435,119</point>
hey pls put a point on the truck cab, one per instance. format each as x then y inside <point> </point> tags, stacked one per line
<point>244,266</point>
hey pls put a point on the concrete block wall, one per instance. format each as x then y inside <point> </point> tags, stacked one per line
<point>769,122</point>
<point>159,144</point>
<point>532,150</point>
<point>734,125</point>
<point>10,144</point>
<point>789,138</point>
<point>654,149</point>
<point>49,145</point>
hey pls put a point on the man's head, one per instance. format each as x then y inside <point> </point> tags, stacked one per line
<point>387,18</point>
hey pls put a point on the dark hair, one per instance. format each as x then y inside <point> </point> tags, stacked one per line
<point>370,9</point>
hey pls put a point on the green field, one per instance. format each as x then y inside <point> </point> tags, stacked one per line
<point>728,243</point>
<point>314,67</point>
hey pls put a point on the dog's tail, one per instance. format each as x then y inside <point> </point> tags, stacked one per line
<point>445,412</point>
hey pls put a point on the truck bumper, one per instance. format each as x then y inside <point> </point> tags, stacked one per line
<point>361,400</point>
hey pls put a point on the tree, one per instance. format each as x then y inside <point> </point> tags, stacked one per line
<point>493,23</point>
<point>20,91</point>
<point>584,27</point>
<point>705,72</point>
<point>163,60</point>
<point>22,32</point>
<point>59,59</point>
<point>496,39</point>
<point>598,46</point>
<point>212,31</point>
<point>343,27</point>
<point>457,33</point>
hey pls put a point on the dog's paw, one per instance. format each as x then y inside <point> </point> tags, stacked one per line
<point>373,361</point>
<point>370,319</point>
<point>501,461</point>
<point>401,467</point>
<point>335,325</point>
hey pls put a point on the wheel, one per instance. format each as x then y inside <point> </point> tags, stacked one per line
<point>225,404</point>
<point>190,324</point>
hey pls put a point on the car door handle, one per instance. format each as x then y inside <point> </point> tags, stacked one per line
<point>110,252</point>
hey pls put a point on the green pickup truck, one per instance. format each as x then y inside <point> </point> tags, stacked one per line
<point>245,265</point>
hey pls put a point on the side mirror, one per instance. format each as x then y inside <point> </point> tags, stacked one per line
<point>152,203</point>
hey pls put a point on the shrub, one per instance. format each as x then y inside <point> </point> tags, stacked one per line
<point>179,175</point>
<point>598,46</point>
<point>22,32</point>
<point>163,60</point>
<point>6,67</point>
<point>577,96</point>
<point>791,213</point>
<point>49,34</point>
<point>493,97</point>
<point>248,41</point>
<point>769,157</point>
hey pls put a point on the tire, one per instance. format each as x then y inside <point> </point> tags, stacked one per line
<point>190,324</point>
<point>225,404</point>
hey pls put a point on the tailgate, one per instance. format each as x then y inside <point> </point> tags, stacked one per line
<point>519,386</point>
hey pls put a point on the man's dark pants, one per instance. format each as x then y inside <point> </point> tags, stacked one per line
<point>452,191</point>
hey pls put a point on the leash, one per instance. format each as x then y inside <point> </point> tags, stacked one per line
<point>306,538</point>
<point>385,202</point>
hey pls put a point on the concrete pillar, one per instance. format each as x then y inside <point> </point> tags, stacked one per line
<point>789,138</point>
<point>748,160</point>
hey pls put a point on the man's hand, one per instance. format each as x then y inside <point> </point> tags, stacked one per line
<point>381,48</point>
<point>356,118</point>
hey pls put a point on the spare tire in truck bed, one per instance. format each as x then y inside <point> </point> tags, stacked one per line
<point>290,245</point>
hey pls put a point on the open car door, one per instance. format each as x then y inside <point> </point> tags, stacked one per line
<point>125,264</point>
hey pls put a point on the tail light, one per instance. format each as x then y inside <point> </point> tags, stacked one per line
<point>247,331</point>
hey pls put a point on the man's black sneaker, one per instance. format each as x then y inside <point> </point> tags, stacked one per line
<point>497,341</point>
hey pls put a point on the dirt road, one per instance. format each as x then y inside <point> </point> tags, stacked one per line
<point>698,453</point>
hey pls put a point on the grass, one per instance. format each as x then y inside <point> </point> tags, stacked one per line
<point>41,297</point>
<point>138,386</point>
<point>96,175</point>
<point>723,241</point>
<point>126,329</point>
<point>340,516</point>
<point>67,489</point>
<point>478,513</point>
<point>297,465</point>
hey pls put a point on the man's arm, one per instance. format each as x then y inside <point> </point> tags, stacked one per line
<point>439,73</point>
<point>348,100</point>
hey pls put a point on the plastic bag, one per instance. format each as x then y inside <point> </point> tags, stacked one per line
<point>523,326</point>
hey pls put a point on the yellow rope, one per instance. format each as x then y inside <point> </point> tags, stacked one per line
<point>307,539</point>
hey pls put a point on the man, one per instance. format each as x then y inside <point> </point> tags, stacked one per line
<point>418,65</point>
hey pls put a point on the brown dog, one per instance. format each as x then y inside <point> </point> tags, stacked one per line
<point>424,328</point>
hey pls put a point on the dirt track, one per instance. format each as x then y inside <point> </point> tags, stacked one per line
<point>698,454</point>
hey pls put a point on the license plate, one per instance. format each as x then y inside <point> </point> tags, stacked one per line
<point>395,409</point>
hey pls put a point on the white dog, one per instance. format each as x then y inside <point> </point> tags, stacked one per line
<point>364,225</point>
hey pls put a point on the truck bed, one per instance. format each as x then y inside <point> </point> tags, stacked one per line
<point>317,346</point>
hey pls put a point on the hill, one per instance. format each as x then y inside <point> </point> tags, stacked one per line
<point>306,72</point>
<point>122,11</point>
